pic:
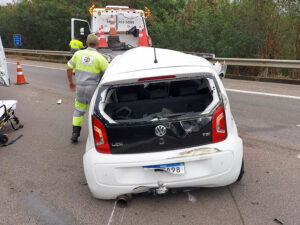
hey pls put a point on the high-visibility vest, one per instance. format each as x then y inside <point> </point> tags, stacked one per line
<point>75,45</point>
<point>88,64</point>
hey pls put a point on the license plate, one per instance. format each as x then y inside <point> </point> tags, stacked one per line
<point>174,168</point>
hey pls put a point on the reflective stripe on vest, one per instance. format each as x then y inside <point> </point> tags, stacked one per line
<point>77,120</point>
<point>80,106</point>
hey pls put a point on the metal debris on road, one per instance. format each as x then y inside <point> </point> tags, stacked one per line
<point>59,102</point>
<point>278,221</point>
<point>83,182</point>
<point>191,197</point>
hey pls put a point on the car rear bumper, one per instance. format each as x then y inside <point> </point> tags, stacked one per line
<point>109,176</point>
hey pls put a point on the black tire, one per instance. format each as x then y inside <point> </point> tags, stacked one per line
<point>241,172</point>
<point>3,139</point>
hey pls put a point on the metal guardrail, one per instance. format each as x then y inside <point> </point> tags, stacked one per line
<point>37,52</point>
<point>40,53</point>
<point>273,63</point>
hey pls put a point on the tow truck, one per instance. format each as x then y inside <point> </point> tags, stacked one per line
<point>127,23</point>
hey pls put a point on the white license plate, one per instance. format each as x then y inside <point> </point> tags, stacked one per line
<point>174,168</point>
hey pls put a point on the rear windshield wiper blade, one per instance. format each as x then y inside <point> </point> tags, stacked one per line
<point>189,114</point>
<point>181,115</point>
<point>171,115</point>
<point>165,116</point>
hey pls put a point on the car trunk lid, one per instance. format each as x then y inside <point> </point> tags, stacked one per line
<point>158,115</point>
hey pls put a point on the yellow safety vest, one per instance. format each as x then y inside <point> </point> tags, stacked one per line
<point>76,44</point>
<point>88,64</point>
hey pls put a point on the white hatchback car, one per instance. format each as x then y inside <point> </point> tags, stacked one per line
<point>160,120</point>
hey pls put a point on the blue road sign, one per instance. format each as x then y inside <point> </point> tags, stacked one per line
<point>17,39</point>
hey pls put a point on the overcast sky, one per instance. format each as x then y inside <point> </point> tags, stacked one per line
<point>4,2</point>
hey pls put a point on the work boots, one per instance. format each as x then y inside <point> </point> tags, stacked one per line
<point>75,134</point>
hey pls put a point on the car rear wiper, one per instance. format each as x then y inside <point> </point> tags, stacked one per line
<point>180,115</point>
<point>189,114</point>
<point>172,115</point>
<point>165,115</point>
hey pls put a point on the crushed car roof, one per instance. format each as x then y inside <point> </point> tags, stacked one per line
<point>142,59</point>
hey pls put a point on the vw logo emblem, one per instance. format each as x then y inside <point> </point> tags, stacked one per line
<point>160,130</point>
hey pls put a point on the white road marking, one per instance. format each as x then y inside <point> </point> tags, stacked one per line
<point>264,93</point>
<point>122,216</point>
<point>46,67</point>
<point>191,197</point>
<point>298,125</point>
<point>112,214</point>
<point>298,156</point>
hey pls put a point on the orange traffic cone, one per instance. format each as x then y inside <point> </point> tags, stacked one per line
<point>142,38</point>
<point>102,39</point>
<point>20,75</point>
<point>147,38</point>
<point>112,31</point>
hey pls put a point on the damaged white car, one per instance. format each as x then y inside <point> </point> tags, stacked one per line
<point>160,120</point>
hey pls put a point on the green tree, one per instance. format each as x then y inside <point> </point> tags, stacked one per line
<point>228,28</point>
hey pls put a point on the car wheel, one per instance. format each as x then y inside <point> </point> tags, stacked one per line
<point>3,139</point>
<point>241,172</point>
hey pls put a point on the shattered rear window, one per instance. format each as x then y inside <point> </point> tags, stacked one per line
<point>152,101</point>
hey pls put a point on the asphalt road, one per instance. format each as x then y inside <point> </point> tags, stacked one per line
<point>42,177</point>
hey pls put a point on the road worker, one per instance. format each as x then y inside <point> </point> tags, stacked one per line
<point>89,67</point>
<point>76,44</point>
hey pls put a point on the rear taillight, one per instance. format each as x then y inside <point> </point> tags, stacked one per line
<point>100,136</point>
<point>219,131</point>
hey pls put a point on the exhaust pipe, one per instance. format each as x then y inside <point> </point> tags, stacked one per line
<point>122,200</point>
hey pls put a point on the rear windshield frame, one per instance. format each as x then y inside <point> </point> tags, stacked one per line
<point>106,88</point>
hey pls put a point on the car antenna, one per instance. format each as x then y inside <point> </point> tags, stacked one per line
<point>155,59</point>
